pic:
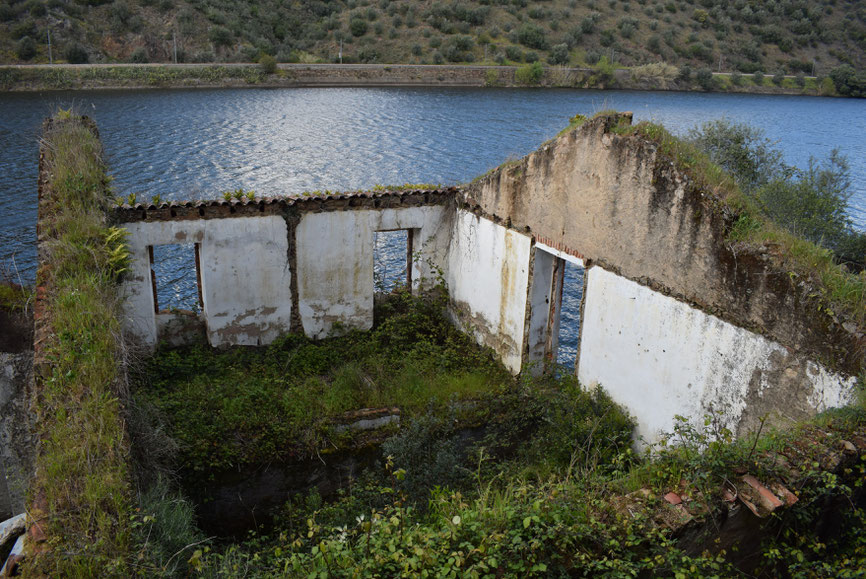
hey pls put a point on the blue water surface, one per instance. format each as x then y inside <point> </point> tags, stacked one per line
<point>183,144</point>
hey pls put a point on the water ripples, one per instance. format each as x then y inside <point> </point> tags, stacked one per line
<point>198,143</point>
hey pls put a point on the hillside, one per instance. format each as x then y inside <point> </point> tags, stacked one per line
<point>791,36</point>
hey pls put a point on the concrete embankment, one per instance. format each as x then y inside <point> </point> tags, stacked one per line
<point>23,78</point>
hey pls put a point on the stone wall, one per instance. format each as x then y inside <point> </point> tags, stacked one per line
<point>17,445</point>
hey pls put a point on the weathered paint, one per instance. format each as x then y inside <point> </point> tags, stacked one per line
<point>335,262</point>
<point>244,272</point>
<point>488,277</point>
<point>660,357</point>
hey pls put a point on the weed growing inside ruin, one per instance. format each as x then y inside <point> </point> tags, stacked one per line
<point>413,358</point>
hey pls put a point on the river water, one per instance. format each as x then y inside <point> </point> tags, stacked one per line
<point>189,144</point>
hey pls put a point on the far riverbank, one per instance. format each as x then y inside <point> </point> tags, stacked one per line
<point>27,78</point>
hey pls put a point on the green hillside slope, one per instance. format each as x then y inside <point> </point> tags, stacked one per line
<point>790,36</point>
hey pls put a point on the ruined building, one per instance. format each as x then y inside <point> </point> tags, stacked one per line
<point>675,320</point>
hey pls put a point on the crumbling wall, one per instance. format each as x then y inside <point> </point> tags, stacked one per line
<point>488,276</point>
<point>245,278</point>
<point>17,443</point>
<point>335,262</point>
<point>279,265</point>
<point>660,357</point>
<point>678,321</point>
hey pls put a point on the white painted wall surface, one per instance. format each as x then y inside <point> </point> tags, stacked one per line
<point>244,272</point>
<point>488,277</point>
<point>335,261</point>
<point>660,357</point>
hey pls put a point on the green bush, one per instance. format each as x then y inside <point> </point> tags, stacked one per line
<point>848,82</point>
<point>358,27</point>
<point>533,36</point>
<point>139,55</point>
<point>743,151</point>
<point>559,54</point>
<point>268,64</point>
<point>221,36</point>
<point>25,48</point>
<point>813,203</point>
<point>529,74</point>
<point>75,53</point>
<point>705,79</point>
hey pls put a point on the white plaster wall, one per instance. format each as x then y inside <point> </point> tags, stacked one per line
<point>660,357</point>
<point>487,276</point>
<point>335,261</point>
<point>244,272</point>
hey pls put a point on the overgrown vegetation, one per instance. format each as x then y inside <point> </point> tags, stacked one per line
<point>811,203</point>
<point>545,487</point>
<point>71,78</point>
<point>81,495</point>
<point>793,36</point>
<point>582,518</point>
<point>413,359</point>
<point>748,177</point>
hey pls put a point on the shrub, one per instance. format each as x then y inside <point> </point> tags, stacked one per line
<point>513,53</point>
<point>813,203</point>
<point>139,55</point>
<point>848,82</point>
<point>76,54</point>
<point>268,64</point>
<point>559,54</point>
<point>779,78</point>
<point>532,35</point>
<point>530,74</point>
<point>736,78</point>
<point>25,48</point>
<point>220,36</point>
<point>758,77</point>
<point>741,150</point>
<point>705,78</point>
<point>358,27</point>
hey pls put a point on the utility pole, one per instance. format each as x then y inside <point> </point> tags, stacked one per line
<point>50,56</point>
<point>341,51</point>
<point>174,42</point>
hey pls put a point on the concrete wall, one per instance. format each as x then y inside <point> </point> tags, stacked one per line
<point>246,268</point>
<point>660,358</point>
<point>335,261</point>
<point>245,278</point>
<point>488,278</point>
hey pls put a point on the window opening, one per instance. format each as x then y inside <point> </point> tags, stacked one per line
<point>392,260</point>
<point>569,314</point>
<point>175,277</point>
